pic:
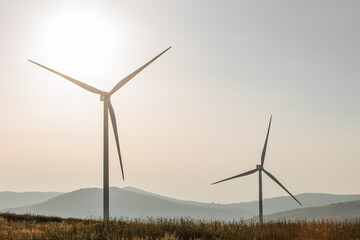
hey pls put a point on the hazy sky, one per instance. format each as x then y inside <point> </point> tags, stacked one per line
<point>196,115</point>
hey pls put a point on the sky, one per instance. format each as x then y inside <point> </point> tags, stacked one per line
<point>196,115</point>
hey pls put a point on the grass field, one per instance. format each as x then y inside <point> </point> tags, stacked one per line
<point>14,226</point>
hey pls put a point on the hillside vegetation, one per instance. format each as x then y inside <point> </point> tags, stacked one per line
<point>15,227</point>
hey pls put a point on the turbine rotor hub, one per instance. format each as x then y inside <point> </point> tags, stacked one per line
<point>104,96</point>
<point>259,167</point>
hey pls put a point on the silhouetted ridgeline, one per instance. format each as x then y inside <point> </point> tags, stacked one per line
<point>336,211</point>
<point>85,203</point>
<point>134,203</point>
<point>14,199</point>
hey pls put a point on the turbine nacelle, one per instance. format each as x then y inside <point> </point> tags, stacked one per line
<point>259,167</point>
<point>104,96</point>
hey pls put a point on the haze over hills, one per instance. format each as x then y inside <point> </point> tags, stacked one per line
<point>130,202</point>
<point>85,203</point>
<point>338,211</point>
<point>15,199</point>
<point>286,203</point>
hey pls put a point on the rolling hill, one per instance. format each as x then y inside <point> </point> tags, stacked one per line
<point>14,199</point>
<point>337,211</point>
<point>286,203</point>
<point>130,202</point>
<point>86,203</point>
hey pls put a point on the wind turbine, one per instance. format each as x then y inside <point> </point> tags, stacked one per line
<point>261,169</point>
<point>105,97</point>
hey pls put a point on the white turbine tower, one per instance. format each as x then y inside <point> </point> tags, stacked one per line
<point>105,97</point>
<point>261,168</point>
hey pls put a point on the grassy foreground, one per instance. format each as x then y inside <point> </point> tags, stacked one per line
<point>14,226</point>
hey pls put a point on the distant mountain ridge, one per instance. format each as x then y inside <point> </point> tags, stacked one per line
<point>129,202</point>
<point>335,211</point>
<point>14,199</point>
<point>87,203</point>
<point>286,203</point>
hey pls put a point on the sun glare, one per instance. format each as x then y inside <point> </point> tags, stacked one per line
<point>79,40</point>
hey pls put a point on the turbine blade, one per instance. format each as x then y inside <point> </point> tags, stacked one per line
<point>277,181</point>
<point>129,77</point>
<point>113,121</point>
<point>240,175</point>
<point>81,84</point>
<point>265,145</point>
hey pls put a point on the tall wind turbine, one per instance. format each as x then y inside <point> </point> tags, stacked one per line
<point>105,97</point>
<point>261,168</point>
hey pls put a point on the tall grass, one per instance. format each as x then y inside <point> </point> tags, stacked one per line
<point>26,226</point>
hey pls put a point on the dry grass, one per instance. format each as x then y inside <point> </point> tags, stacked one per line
<point>15,227</point>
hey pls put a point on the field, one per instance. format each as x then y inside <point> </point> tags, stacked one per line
<point>14,226</point>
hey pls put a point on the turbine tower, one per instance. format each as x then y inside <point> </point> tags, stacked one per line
<point>260,168</point>
<point>105,97</point>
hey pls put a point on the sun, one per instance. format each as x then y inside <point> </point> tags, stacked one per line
<point>82,40</point>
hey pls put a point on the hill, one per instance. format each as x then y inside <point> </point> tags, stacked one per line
<point>14,199</point>
<point>128,203</point>
<point>338,211</point>
<point>286,203</point>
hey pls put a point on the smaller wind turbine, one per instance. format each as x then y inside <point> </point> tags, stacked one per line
<point>260,168</point>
